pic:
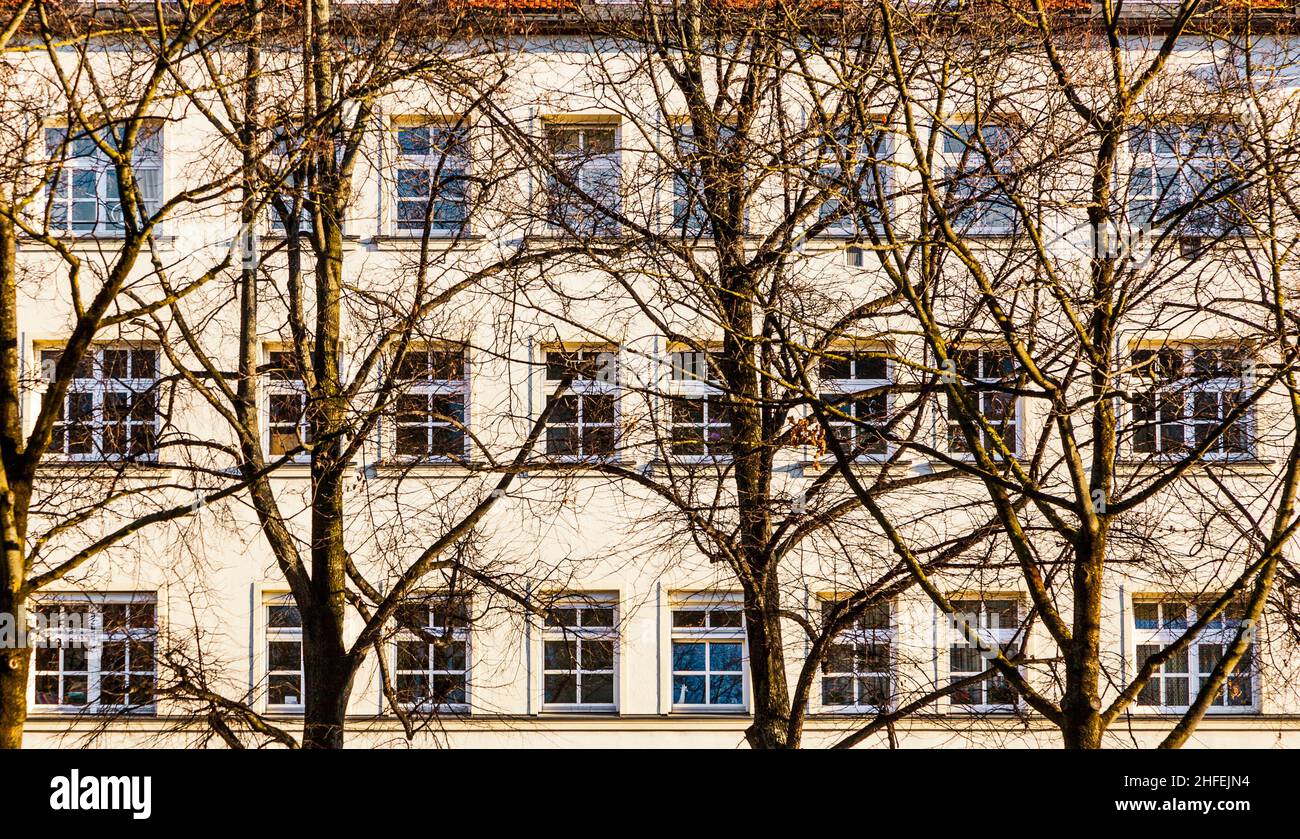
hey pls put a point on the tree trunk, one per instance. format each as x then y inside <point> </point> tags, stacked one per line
<point>771,696</point>
<point>15,664</point>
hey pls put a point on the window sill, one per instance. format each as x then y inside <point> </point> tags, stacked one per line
<point>1157,462</point>
<point>708,711</point>
<point>414,241</point>
<point>91,241</point>
<point>81,467</point>
<point>555,237</point>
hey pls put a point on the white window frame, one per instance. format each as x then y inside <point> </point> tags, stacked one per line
<point>287,160</point>
<point>92,636</point>
<point>100,387</point>
<point>579,635</point>
<point>1169,627</point>
<point>1176,167</point>
<point>608,364</point>
<point>871,163</point>
<point>457,634</point>
<point>987,637</point>
<point>588,176</point>
<point>964,166</point>
<point>708,635</point>
<point>691,378</point>
<point>1188,388</point>
<point>448,161</point>
<point>832,388</point>
<point>89,168</point>
<point>953,439</point>
<point>275,386</point>
<point>430,388</point>
<point>861,634</point>
<point>282,635</point>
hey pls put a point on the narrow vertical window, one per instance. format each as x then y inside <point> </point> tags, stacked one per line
<point>287,427</point>
<point>284,670</point>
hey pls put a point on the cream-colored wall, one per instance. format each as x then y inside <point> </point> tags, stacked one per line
<point>212,571</point>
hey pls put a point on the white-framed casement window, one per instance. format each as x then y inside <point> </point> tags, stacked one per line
<point>431,417</point>
<point>853,168</point>
<point>584,421</point>
<point>284,669</point>
<point>979,165</point>
<point>979,628</point>
<point>286,405</point>
<point>1158,621</point>
<point>709,654</point>
<point>700,410</point>
<point>580,654</point>
<point>1186,175</point>
<point>858,671</point>
<point>83,194</point>
<point>432,188</point>
<point>1183,394</point>
<point>95,653</point>
<point>989,376</point>
<point>855,392</point>
<point>110,409</point>
<point>431,651</point>
<point>290,207</point>
<point>586,156</point>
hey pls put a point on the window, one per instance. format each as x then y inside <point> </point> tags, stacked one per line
<point>989,378</point>
<point>83,194</point>
<point>857,670</point>
<point>979,629</point>
<point>432,178</point>
<point>96,653</point>
<point>977,158</point>
<point>708,656</point>
<point>587,159</point>
<point>1187,174</point>
<point>584,420</point>
<point>579,654</point>
<point>431,652</point>
<point>110,409</point>
<point>284,671</point>
<point>855,390</point>
<point>431,407</point>
<point>852,168</point>
<point>291,199</point>
<point>287,405</point>
<point>1175,684</point>
<point>690,216</point>
<point>701,415</point>
<point>1183,396</point>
